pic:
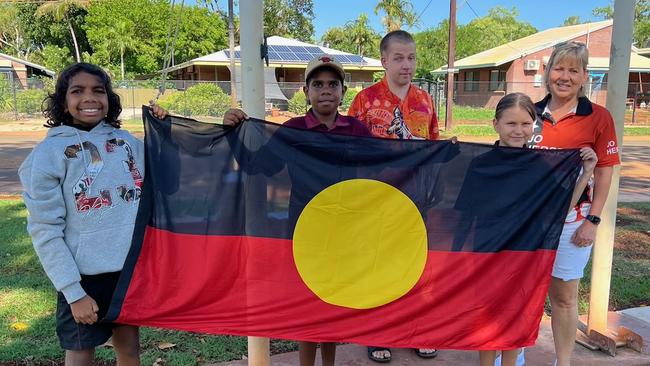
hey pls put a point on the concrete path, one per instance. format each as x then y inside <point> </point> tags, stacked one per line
<point>542,354</point>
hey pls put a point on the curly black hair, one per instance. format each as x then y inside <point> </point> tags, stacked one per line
<point>55,103</point>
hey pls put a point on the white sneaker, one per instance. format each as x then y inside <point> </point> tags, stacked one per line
<point>521,359</point>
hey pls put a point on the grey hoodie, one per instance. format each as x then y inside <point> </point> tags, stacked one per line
<point>82,191</point>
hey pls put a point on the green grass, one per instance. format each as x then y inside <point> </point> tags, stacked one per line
<point>465,113</point>
<point>630,286</point>
<point>28,305</point>
<point>636,131</point>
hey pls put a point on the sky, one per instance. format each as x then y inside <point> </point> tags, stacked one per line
<point>542,14</point>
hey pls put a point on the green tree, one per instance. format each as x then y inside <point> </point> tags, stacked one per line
<point>61,10</point>
<point>355,37</point>
<point>431,46</point>
<point>498,27</point>
<point>53,57</point>
<point>397,14</point>
<point>572,20</point>
<point>11,35</point>
<point>121,39</point>
<point>200,32</point>
<point>39,31</point>
<point>641,20</point>
<point>289,18</point>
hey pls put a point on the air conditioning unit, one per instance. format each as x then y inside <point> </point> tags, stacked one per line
<point>531,65</point>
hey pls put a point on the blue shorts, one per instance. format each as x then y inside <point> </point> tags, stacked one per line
<point>74,336</point>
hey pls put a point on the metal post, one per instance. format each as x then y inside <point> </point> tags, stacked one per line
<point>619,70</point>
<point>231,42</point>
<point>252,75</point>
<point>450,64</point>
<point>252,36</point>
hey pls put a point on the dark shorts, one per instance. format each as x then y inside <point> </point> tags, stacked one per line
<point>73,336</point>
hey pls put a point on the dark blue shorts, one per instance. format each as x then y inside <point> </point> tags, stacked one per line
<point>73,336</point>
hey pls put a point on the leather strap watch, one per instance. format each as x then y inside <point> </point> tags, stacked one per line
<point>593,219</point>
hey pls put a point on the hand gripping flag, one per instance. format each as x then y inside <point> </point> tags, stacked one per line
<point>278,232</point>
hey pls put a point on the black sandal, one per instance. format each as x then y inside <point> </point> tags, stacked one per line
<point>425,354</point>
<point>377,359</point>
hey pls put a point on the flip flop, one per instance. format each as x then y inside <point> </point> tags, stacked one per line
<point>425,354</point>
<point>377,359</point>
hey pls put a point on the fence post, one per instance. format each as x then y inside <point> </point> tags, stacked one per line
<point>634,100</point>
<point>13,89</point>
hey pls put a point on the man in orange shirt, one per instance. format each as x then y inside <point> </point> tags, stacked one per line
<point>393,108</point>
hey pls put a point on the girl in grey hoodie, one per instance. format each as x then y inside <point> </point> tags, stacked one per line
<point>82,187</point>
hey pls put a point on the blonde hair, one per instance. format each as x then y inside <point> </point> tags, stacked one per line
<point>572,50</point>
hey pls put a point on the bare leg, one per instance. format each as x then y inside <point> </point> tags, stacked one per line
<point>509,357</point>
<point>564,318</point>
<point>126,342</point>
<point>307,353</point>
<point>79,358</point>
<point>328,353</point>
<point>486,358</point>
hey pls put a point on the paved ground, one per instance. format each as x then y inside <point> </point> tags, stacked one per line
<point>542,354</point>
<point>634,187</point>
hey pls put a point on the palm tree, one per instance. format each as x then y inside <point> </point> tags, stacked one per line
<point>398,13</point>
<point>121,39</point>
<point>361,34</point>
<point>60,10</point>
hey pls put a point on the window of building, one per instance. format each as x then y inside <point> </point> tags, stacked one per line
<point>471,80</point>
<point>497,80</point>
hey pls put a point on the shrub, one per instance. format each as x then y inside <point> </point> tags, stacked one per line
<point>6,95</point>
<point>199,100</point>
<point>298,103</point>
<point>348,98</point>
<point>29,101</point>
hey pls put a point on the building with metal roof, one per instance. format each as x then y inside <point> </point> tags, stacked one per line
<point>14,68</point>
<point>288,60</point>
<point>518,66</point>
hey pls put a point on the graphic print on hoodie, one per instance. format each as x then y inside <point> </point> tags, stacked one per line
<point>82,191</point>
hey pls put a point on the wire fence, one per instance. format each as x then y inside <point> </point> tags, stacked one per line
<point>474,101</point>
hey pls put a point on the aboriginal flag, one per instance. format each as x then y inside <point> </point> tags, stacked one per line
<point>278,232</point>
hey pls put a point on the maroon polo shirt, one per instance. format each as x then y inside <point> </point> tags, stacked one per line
<point>343,125</point>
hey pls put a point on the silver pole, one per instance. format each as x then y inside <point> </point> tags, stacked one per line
<point>252,92</point>
<point>252,73</point>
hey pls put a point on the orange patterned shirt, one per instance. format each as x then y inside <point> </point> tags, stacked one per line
<point>386,115</point>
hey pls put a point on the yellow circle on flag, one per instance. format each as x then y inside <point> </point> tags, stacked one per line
<point>360,244</point>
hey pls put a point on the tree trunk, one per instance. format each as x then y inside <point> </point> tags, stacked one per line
<point>74,41</point>
<point>122,61</point>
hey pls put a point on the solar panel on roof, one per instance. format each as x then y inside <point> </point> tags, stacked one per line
<point>355,58</point>
<point>297,49</point>
<point>279,48</point>
<point>341,58</point>
<point>304,56</point>
<point>301,54</point>
<point>287,56</point>
<point>314,50</point>
<point>237,54</point>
